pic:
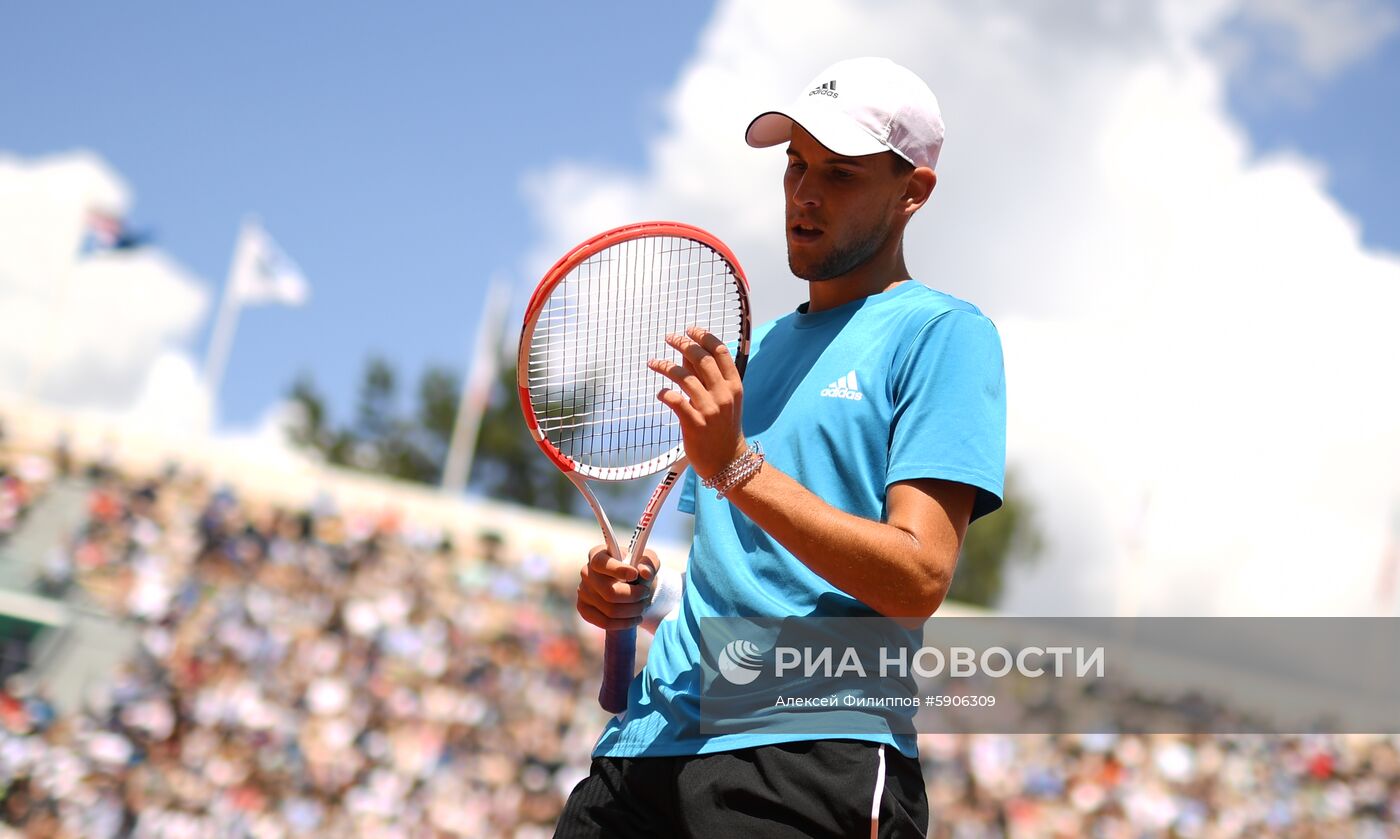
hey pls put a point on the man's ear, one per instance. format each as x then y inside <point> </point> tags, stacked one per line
<point>918,189</point>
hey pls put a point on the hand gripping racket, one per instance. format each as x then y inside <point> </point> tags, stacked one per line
<point>588,397</point>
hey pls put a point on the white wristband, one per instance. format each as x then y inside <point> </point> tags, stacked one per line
<point>665,597</point>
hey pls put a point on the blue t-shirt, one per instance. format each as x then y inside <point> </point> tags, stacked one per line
<point>897,386</point>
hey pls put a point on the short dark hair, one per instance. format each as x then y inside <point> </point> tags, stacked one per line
<point>898,165</point>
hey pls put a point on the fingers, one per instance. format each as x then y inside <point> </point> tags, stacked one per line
<point>602,562</point>
<point>647,566</point>
<point>706,366</point>
<point>698,358</point>
<point>688,381</point>
<point>697,399</point>
<point>678,403</point>
<point>717,349</point>
<point>615,598</point>
<point>613,595</point>
<point>594,616</point>
<point>706,356</point>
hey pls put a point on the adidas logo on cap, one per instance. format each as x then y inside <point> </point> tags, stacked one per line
<point>844,388</point>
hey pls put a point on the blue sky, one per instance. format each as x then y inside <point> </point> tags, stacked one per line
<point>383,149</point>
<point>1091,184</point>
<point>1350,123</point>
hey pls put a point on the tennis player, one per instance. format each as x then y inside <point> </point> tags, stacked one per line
<point>839,479</point>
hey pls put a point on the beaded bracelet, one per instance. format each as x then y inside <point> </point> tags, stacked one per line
<point>724,475</point>
<point>743,467</point>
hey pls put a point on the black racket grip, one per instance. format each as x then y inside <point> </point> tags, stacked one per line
<point>619,659</point>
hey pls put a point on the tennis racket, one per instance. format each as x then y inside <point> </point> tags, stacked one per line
<point>589,399</point>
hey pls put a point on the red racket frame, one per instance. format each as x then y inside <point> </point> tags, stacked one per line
<point>619,654</point>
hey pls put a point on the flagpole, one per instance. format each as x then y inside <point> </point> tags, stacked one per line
<point>225,324</point>
<point>476,389</point>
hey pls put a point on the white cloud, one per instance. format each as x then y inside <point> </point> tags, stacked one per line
<point>1323,37</point>
<point>1283,52</point>
<point>173,398</point>
<point>103,332</point>
<point>1183,321</point>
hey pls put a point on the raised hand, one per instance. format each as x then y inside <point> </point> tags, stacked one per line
<point>709,403</point>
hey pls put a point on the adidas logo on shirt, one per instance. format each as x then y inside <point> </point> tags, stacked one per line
<point>844,388</point>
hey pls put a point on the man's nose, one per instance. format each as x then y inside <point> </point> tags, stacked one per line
<point>804,194</point>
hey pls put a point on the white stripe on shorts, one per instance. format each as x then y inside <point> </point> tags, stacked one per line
<point>875,801</point>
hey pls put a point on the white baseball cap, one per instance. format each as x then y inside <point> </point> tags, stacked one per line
<point>861,106</point>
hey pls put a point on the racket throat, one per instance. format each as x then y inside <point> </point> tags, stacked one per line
<point>609,538</point>
<point>638,542</point>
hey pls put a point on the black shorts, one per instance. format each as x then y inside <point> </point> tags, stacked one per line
<point>818,788</point>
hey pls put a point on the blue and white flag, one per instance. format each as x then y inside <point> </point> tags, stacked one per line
<point>104,232</point>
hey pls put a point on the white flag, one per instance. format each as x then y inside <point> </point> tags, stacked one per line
<point>262,273</point>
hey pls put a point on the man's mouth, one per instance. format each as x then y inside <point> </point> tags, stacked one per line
<point>803,232</point>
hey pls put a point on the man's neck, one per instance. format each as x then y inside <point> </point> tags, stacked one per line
<point>872,277</point>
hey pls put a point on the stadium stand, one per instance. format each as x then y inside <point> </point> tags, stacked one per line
<point>283,655</point>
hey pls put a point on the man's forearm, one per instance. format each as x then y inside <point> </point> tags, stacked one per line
<point>890,569</point>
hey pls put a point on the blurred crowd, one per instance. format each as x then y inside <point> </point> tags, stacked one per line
<point>22,481</point>
<point>304,673</point>
<point>16,496</point>
<point>1125,786</point>
<point>327,673</point>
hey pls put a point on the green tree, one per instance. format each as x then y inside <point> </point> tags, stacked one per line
<point>509,464</point>
<point>311,429</point>
<point>378,441</point>
<point>381,439</point>
<point>374,413</point>
<point>993,544</point>
<point>438,396</point>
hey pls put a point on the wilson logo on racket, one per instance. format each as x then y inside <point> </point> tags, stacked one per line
<point>844,388</point>
<point>654,503</point>
<point>740,662</point>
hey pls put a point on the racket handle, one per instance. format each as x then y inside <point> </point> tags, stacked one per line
<point>619,659</point>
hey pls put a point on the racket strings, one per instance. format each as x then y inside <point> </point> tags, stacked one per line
<point>588,380</point>
<point>627,342</point>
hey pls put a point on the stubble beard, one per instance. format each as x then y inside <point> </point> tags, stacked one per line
<point>841,260</point>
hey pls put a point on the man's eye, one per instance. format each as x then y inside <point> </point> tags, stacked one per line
<point>842,174</point>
